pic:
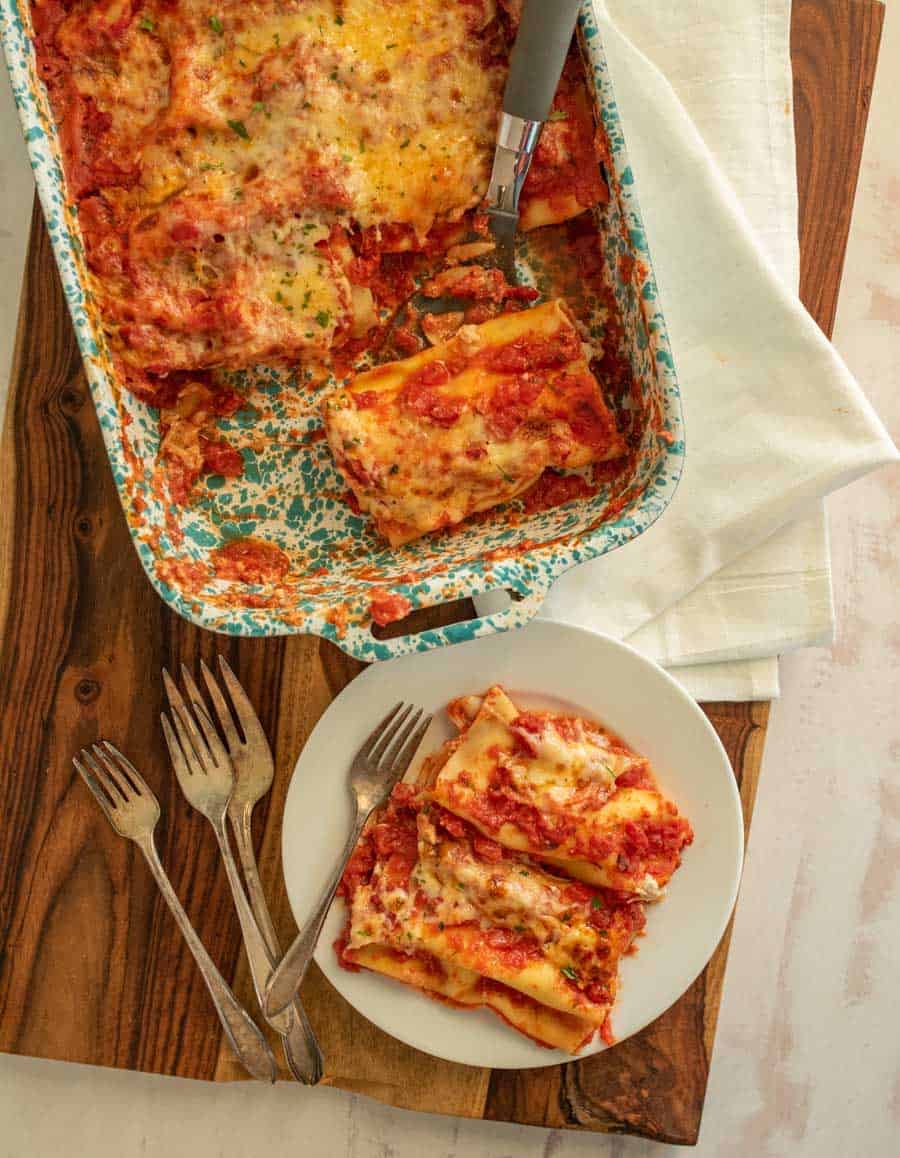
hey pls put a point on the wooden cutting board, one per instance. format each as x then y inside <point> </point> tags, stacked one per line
<point>92,968</point>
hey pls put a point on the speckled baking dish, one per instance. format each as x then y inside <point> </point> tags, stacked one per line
<point>290,494</point>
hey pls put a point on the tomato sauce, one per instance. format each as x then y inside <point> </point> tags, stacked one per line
<point>423,399</point>
<point>250,561</point>
<point>495,807</point>
<point>221,458</point>
<point>552,490</point>
<point>510,403</point>
<point>513,950</point>
<point>387,607</point>
<point>532,353</point>
<point>638,776</point>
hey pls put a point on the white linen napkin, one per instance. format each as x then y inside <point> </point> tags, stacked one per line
<point>774,419</point>
<point>738,90</point>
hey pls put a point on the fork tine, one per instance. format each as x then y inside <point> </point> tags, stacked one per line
<point>190,686</point>
<point>140,784</point>
<point>402,735</point>
<point>93,785</point>
<point>378,751</point>
<point>243,706</point>
<point>188,732</point>
<point>405,756</point>
<point>223,712</point>
<point>180,761</point>
<point>113,773</point>
<point>365,751</point>
<point>213,739</point>
<point>112,790</point>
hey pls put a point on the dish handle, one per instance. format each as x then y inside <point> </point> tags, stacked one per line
<point>523,606</point>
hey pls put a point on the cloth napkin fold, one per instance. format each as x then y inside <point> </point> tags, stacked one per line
<point>730,66</point>
<point>774,419</point>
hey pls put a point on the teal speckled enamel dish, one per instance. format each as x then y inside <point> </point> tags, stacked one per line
<point>290,493</point>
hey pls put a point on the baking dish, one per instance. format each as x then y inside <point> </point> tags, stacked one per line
<point>290,494</point>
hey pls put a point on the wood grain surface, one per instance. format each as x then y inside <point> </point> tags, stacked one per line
<point>92,968</point>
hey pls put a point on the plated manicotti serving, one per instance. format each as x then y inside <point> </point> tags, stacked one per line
<point>514,873</point>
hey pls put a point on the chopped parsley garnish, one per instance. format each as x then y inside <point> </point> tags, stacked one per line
<point>558,115</point>
<point>524,873</point>
<point>391,45</point>
<point>405,144</point>
<point>240,128</point>
<point>333,74</point>
<point>323,317</point>
<point>596,903</point>
<point>394,469</point>
<point>216,25</point>
<point>261,107</point>
<point>568,971</point>
<point>306,298</point>
<point>146,24</point>
<point>441,926</point>
<point>339,19</point>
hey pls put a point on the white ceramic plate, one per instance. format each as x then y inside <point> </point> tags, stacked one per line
<point>544,664</point>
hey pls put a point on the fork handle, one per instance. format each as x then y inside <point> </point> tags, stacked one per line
<point>289,974</point>
<point>301,1049</point>
<point>245,1037</point>
<point>259,958</point>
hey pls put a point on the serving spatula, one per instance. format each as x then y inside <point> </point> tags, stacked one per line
<point>536,64</point>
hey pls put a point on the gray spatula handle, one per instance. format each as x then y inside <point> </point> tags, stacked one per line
<point>538,56</point>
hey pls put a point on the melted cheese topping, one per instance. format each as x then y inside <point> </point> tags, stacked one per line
<point>228,140</point>
<point>546,768</point>
<point>455,899</point>
<point>419,457</point>
<point>392,98</point>
<point>571,780</point>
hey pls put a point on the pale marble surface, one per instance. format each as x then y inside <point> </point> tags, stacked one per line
<point>807,1059</point>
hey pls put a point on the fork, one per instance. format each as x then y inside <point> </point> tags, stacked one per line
<point>376,768</point>
<point>133,811</point>
<point>206,776</point>
<point>254,771</point>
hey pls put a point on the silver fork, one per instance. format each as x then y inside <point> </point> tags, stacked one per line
<point>254,771</point>
<point>133,811</point>
<point>376,768</point>
<point>206,775</point>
